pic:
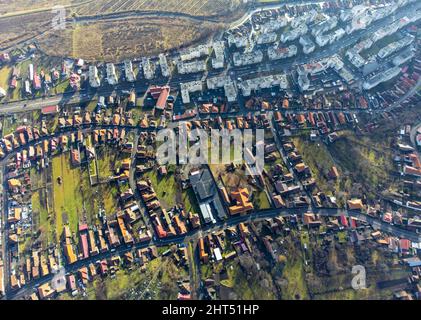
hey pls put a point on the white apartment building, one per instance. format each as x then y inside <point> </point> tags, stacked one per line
<point>276,53</point>
<point>308,44</point>
<point>248,58</point>
<point>395,46</point>
<point>266,38</point>
<point>111,75</point>
<point>294,34</point>
<point>191,67</point>
<point>163,63</point>
<point>403,57</point>
<point>266,82</point>
<point>94,81</point>
<point>237,40</point>
<point>128,71</point>
<point>195,52</point>
<point>225,82</point>
<point>381,77</point>
<point>190,87</point>
<point>218,61</point>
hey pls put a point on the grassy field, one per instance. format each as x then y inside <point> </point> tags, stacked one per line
<point>365,160</point>
<point>261,200</point>
<point>294,274</point>
<point>106,161</point>
<point>41,209</point>
<point>165,188</point>
<point>5,73</point>
<point>190,202</point>
<point>124,281</point>
<point>74,199</point>
<point>320,162</point>
<point>244,288</point>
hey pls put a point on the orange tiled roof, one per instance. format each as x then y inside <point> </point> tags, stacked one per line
<point>243,204</point>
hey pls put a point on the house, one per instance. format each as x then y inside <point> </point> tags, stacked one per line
<point>162,170</point>
<point>68,247</point>
<point>333,173</point>
<point>14,185</point>
<point>103,267</point>
<point>50,110</point>
<point>83,275</point>
<point>75,157</point>
<point>14,215</point>
<point>162,98</point>
<point>243,205</point>
<point>311,220</point>
<point>204,257</point>
<point>71,283</point>
<point>194,220</point>
<point>404,246</point>
<point>45,291</point>
<point>83,234</point>
<point>355,204</point>
<point>181,227</point>
<point>127,236</point>
<point>278,201</point>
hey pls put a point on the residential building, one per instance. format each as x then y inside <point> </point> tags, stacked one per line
<point>94,81</point>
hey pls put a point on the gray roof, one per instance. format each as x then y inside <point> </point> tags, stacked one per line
<point>206,192</point>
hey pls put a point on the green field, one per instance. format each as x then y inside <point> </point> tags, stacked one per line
<point>365,161</point>
<point>190,202</point>
<point>261,200</point>
<point>42,219</point>
<point>317,157</point>
<point>244,288</point>
<point>74,198</point>
<point>165,188</point>
<point>5,73</point>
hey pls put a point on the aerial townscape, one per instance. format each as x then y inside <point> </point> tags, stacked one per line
<point>89,213</point>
